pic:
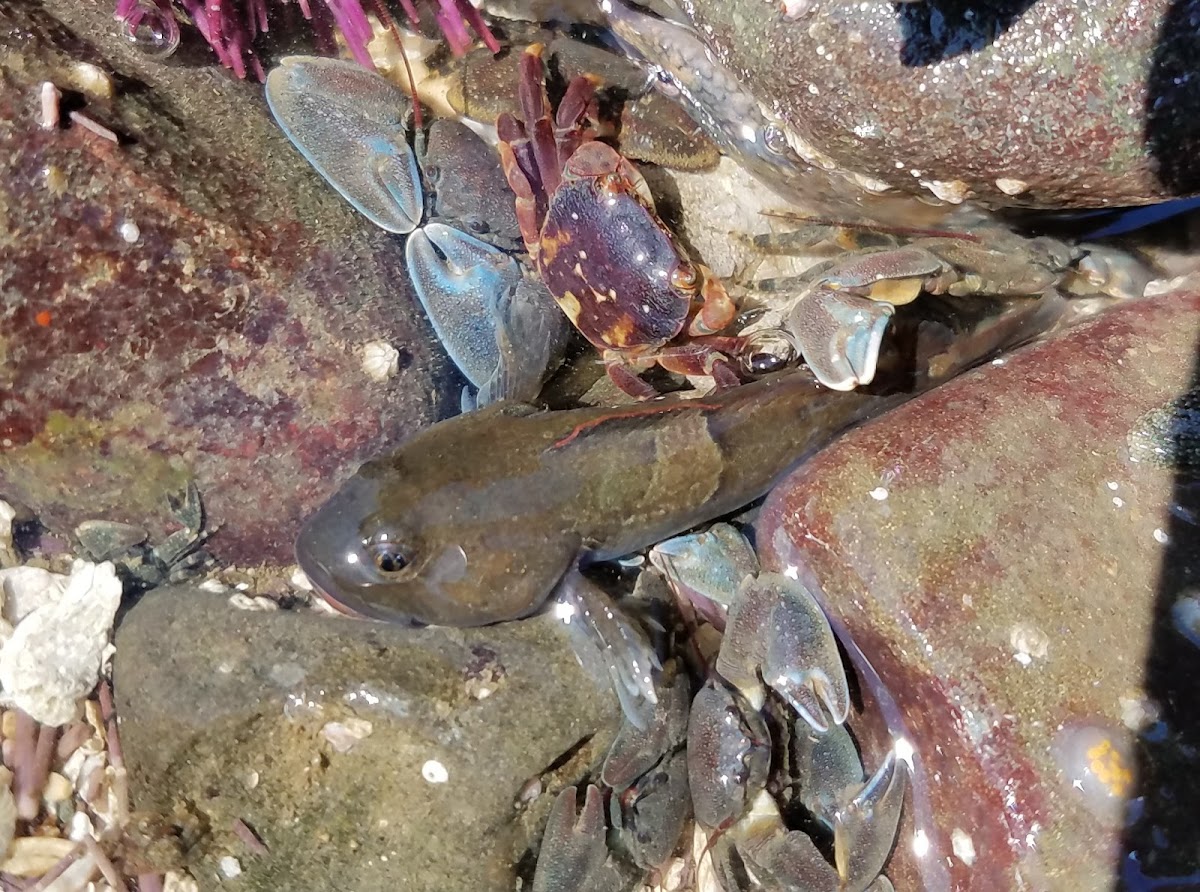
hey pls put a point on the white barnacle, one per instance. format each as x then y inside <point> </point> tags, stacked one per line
<point>380,360</point>
<point>565,611</point>
<point>435,772</point>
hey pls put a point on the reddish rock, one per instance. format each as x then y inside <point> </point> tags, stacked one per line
<point>1012,552</point>
<point>1085,104</point>
<point>188,303</point>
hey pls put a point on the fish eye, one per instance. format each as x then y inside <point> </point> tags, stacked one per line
<point>388,557</point>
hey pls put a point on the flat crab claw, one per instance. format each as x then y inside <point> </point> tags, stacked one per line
<point>501,330</point>
<point>352,126</point>
<point>864,832</point>
<point>574,852</point>
<point>531,334</point>
<point>776,628</point>
<point>711,563</point>
<point>839,335</point>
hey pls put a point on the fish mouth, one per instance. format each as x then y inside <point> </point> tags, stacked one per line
<point>329,549</point>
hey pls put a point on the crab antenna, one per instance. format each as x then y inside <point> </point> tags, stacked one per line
<point>390,24</point>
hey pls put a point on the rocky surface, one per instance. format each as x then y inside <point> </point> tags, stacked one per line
<point>363,756</point>
<point>191,303</point>
<point>1015,554</point>
<point>1040,104</point>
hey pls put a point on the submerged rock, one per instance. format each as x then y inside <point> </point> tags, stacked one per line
<point>361,755</point>
<point>1046,104</point>
<point>1018,574</point>
<point>190,303</point>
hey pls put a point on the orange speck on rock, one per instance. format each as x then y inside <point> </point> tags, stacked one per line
<point>43,318</point>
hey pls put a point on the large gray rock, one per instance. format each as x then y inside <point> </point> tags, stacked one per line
<point>229,714</point>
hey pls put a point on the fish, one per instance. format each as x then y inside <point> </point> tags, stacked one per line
<point>482,517</point>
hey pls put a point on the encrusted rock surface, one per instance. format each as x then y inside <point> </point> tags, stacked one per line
<point>1040,104</point>
<point>363,756</point>
<point>191,303</point>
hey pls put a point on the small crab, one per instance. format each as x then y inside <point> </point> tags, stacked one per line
<point>835,313</point>
<point>765,737</point>
<point>590,227</point>
<point>140,565</point>
<point>443,189</point>
<point>778,648</point>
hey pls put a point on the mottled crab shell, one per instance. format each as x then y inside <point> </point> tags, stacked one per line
<point>611,263</point>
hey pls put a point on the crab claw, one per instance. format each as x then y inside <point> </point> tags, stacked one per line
<point>864,832</point>
<point>483,312</point>
<point>865,827</point>
<point>649,816</point>
<point>531,335</point>
<point>839,335</point>
<point>776,628</point>
<point>729,753</point>
<point>351,125</point>
<point>711,563</point>
<point>574,852</point>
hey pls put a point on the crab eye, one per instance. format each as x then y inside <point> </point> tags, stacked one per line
<point>666,83</point>
<point>389,557</point>
<point>775,140</point>
<point>683,278</point>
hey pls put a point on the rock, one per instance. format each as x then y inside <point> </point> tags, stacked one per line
<point>52,659</point>
<point>364,756</point>
<point>1043,104</point>
<point>189,304</point>
<point>1014,553</point>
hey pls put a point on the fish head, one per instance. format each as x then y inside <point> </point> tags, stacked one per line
<point>429,549</point>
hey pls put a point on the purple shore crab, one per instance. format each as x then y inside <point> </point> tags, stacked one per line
<point>588,221</point>
<point>443,189</point>
<point>836,311</point>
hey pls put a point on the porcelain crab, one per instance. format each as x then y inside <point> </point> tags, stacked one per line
<point>760,755</point>
<point>442,188</point>
<point>589,224</point>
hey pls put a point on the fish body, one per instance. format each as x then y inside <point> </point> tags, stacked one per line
<point>479,518</point>
<point>476,519</point>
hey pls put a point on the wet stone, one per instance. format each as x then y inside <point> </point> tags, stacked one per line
<point>1012,565</point>
<point>1044,104</point>
<point>191,303</point>
<point>362,755</point>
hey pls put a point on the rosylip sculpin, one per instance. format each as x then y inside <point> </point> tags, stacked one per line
<point>483,517</point>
